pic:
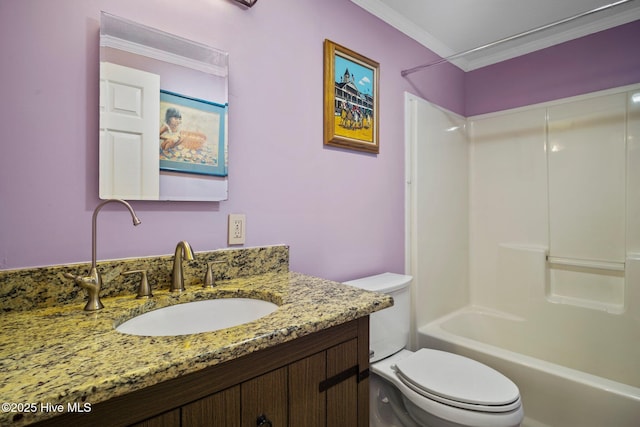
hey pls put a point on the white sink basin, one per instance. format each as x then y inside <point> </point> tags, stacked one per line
<point>198,316</point>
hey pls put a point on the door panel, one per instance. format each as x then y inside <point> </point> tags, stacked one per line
<point>307,405</point>
<point>265,395</point>
<point>129,125</point>
<point>342,399</point>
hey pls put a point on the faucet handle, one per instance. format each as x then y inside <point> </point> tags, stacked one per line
<point>72,276</point>
<point>92,284</point>
<point>83,281</point>
<point>209,281</point>
<point>144,290</point>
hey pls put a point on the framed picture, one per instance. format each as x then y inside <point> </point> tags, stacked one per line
<point>193,136</point>
<point>350,99</point>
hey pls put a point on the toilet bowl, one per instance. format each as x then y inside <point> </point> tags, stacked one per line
<point>445,389</point>
<point>429,387</point>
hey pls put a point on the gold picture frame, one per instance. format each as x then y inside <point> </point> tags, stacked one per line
<point>351,99</point>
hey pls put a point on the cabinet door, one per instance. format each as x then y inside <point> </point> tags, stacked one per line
<point>168,419</point>
<point>221,409</point>
<point>265,396</point>
<point>307,404</point>
<point>342,398</point>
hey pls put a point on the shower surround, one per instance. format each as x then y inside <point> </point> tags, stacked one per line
<point>549,293</point>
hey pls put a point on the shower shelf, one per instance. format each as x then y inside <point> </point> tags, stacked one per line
<point>611,308</point>
<point>592,284</point>
<point>599,265</point>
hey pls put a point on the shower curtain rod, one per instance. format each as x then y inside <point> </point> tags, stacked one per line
<point>405,73</point>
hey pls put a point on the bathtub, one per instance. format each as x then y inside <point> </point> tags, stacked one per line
<point>574,367</point>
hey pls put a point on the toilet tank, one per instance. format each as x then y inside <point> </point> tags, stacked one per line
<point>389,328</point>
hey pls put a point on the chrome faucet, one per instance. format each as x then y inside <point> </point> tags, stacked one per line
<point>183,249</point>
<point>93,282</point>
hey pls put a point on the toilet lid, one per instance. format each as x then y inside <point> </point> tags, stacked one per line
<point>458,380</point>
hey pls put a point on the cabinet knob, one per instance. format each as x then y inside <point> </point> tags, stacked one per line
<point>263,421</point>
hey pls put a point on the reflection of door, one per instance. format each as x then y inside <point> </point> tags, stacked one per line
<point>129,124</point>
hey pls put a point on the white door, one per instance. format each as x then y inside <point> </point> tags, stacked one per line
<point>129,125</point>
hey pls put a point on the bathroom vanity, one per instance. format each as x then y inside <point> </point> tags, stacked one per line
<point>317,380</point>
<point>304,364</point>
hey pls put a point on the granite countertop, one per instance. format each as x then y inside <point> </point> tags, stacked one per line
<point>61,355</point>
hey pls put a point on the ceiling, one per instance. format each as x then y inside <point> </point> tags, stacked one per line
<point>449,27</point>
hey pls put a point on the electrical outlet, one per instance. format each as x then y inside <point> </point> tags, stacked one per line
<point>236,229</point>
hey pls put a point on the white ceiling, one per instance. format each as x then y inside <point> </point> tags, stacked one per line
<point>448,27</point>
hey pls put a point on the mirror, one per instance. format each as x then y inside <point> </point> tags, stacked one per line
<point>163,115</point>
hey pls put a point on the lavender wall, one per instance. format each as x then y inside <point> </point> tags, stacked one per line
<point>340,211</point>
<point>600,61</point>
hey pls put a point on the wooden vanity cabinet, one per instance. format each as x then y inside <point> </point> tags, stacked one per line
<point>242,405</point>
<point>317,380</point>
<point>221,408</point>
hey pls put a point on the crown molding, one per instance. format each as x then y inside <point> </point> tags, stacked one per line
<point>555,39</point>
<point>404,25</point>
<point>495,54</point>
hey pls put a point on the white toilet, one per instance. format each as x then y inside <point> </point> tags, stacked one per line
<point>429,388</point>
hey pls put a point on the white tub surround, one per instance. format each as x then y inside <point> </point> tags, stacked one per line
<point>569,369</point>
<point>553,243</point>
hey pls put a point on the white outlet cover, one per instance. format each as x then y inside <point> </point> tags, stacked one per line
<point>236,232</point>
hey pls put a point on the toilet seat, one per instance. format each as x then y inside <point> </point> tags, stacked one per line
<point>457,381</point>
